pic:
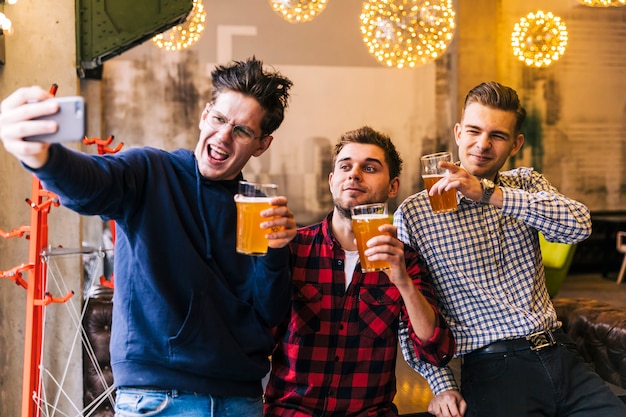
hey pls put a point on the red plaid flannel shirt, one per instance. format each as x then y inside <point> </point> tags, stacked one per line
<point>336,351</point>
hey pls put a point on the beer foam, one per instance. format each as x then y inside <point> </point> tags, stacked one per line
<point>245,199</point>
<point>370,216</point>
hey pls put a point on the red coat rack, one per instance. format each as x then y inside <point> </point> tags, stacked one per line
<point>37,296</point>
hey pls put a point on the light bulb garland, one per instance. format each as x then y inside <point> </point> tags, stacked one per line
<point>5,25</point>
<point>298,11</point>
<point>186,34</point>
<point>539,39</point>
<point>604,3</point>
<point>406,33</point>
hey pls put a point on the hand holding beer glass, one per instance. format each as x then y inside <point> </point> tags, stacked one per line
<point>252,199</point>
<point>365,222</point>
<point>431,173</point>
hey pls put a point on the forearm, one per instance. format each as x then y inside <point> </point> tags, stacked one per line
<point>420,312</point>
<point>556,216</point>
<point>273,286</point>
<point>440,378</point>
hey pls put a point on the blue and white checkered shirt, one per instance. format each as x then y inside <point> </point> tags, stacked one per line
<point>486,262</point>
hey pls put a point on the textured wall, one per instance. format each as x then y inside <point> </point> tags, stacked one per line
<point>576,102</point>
<point>40,52</point>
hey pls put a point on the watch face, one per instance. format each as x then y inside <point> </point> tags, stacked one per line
<point>488,188</point>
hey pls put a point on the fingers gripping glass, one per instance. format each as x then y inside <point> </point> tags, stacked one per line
<point>218,121</point>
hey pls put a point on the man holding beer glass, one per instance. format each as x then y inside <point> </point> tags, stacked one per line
<point>336,351</point>
<point>192,317</point>
<point>487,271</point>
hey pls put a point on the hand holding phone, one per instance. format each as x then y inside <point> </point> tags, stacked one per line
<point>70,118</point>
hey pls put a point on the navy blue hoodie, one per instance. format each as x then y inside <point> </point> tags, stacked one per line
<point>189,312</point>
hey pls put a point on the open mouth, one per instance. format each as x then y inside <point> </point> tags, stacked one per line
<point>216,154</point>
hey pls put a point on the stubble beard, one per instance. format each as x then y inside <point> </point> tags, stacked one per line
<point>343,211</point>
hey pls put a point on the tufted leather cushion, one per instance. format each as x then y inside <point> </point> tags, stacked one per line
<point>97,326</point>
<point>599,331</point>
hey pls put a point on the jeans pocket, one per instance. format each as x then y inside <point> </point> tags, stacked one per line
<point>136,402</point>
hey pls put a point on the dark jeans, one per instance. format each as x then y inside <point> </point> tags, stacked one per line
<point>553,381</point>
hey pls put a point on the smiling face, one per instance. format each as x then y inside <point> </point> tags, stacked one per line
<point>360,176</point>
<point>486,139</point>
<point>219,155</point>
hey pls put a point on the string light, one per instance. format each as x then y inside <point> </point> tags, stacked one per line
<point>406,33</point>
<point>604,3</point>
<point>186,34</point>
<point>539,39</point>
<point>5,25</point>
<point>298,11</point>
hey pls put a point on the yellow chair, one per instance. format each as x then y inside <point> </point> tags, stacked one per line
<point>557,258</point>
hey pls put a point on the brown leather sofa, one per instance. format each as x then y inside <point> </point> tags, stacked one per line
<point>97,326</point>
<point>599,331</point>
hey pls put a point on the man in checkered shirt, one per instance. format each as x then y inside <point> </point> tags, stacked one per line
<point>487,270</point>
<point>336,351</point>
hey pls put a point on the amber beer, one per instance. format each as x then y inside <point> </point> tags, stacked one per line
<point>365,222</point>
<point>440,203</point>
<point>431,173</point>
<point>251,238</point>
<point>252,199</point>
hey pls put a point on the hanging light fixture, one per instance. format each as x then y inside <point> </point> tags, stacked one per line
<point>6,27</point>
<point>298,11</point>
<point>406,33</point>
<point>186,34</point>
<point>604,3</point>
<point>539,39</point>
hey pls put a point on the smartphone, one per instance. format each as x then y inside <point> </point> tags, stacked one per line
<point>70,118</point>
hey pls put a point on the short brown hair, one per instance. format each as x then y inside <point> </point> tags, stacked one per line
<point>497,96</point>
<point>367,135</point>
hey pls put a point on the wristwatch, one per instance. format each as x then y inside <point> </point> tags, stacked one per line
<point>488,188</point>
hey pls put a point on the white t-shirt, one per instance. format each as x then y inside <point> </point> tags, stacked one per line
<point>352,257</point>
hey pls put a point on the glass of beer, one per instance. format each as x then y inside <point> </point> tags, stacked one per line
<point>252,199</point>
<point>365,222</point>
<point>431,173</point>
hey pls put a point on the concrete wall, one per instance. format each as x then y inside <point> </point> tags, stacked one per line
<point>42,52</point>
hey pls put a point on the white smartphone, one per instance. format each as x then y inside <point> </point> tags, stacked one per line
<point>70,118</point>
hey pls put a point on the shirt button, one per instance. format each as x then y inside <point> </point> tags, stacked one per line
<point>339,262</point>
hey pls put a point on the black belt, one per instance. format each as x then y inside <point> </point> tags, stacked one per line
<point>535,341</point>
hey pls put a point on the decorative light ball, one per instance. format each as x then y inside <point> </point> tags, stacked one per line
<point>406,33</point>
<point>298,11</point>
<point>186,34</point>
<point>539,39</point>
<point>604,3</point>
<point>5,25</point>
